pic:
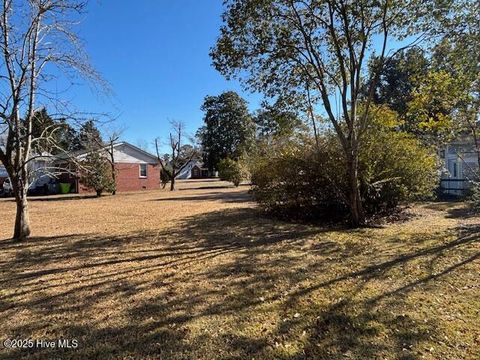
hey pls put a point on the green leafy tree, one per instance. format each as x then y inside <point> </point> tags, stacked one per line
<point>275,122</point>
<point>88,137</point>
<point>432,105</point>
<point>229,129</point>
<point>54,136</point>
<point>43,127</point>
<point>66,137</point>
<point>97,173</point>
<point>233,171</point>
<point>320,48</point>
<point>398,78</point>
<point>458,54</point>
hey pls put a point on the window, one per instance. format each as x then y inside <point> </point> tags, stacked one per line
<point>143,170</point>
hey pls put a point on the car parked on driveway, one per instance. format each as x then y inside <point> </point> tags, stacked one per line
<point>44,185</point>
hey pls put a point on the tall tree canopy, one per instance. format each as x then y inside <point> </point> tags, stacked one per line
<point>88,137</point>
<point>398,78</point>
<point>437,95</point>
<point>319,47</point>
<point>273,121</point>
<point>420,93</point>
<point>57,136</point>
<point>228,129</point>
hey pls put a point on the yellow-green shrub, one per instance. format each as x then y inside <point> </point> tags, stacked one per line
<point>232,171</point>
<point>303,180</point>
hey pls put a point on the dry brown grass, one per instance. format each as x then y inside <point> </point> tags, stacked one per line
<point>200,273</point>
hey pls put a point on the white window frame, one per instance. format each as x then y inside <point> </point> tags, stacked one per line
<point>140,171</point>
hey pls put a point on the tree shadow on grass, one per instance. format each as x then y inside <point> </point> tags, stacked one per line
<point>227,284</point>
<point>224,197</point>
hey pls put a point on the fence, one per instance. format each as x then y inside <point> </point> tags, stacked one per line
<point>456,187</point>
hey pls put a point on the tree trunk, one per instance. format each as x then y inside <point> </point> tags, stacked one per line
<point>357,215</point>
<point>114,172</point>
<point>22,219</point>
<point>114,179</point>
<point>172,183</point>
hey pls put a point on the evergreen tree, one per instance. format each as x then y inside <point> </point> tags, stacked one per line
<point>229,129</point>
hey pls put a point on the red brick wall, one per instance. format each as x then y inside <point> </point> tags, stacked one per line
<point>128,178</point>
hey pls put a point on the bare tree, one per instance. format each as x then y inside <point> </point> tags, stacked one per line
<point>180,156</point>
<point>112,139</point>
<point>37,42</point>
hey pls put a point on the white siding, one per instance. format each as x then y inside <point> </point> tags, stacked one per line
<point>128,155</point>
<point>460,164</point>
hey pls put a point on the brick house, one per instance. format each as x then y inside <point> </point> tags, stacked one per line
<point>136,169</point>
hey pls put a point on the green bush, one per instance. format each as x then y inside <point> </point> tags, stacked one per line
<point>395,167</point>
<point>301,180</point>
<point>97,173</point>
<point>294,181</point>
<point>232,171</point>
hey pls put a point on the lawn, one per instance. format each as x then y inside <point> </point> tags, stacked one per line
<point>201,274</point>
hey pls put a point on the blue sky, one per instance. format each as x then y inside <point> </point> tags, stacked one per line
<point>154,53</point>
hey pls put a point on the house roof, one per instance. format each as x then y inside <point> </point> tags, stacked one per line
<point>133,151</point>
<point>200,166</point>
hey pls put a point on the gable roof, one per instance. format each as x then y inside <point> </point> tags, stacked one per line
<point>131,151</point>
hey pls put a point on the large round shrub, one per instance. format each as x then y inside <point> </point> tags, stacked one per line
<point>301,179</point>
<point>395,167</point>
<point>297,180</point>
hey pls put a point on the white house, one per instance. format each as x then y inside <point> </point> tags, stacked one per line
<point>196,170</point>
<point>461,166</point>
